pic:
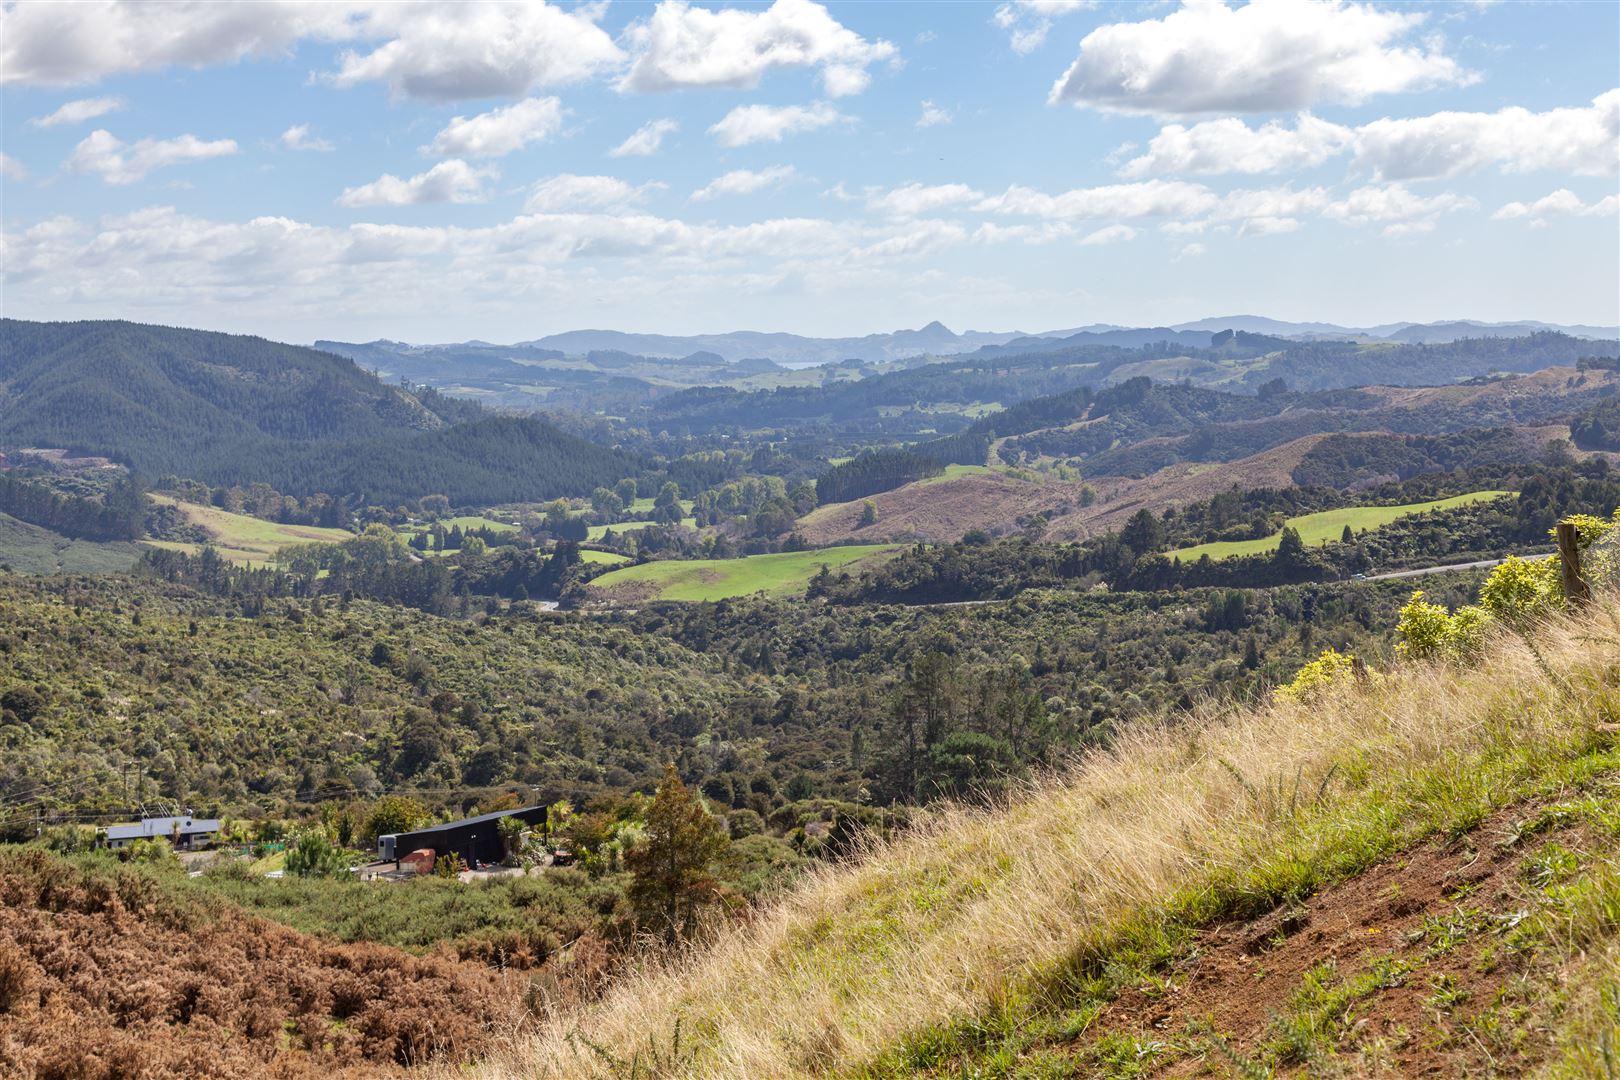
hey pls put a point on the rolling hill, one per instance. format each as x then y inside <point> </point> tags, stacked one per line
<point>228,409</point>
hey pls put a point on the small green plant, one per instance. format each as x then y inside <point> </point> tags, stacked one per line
<point>448,865</point>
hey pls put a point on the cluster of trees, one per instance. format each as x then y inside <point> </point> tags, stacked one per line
<point>873,471</point>
<point>1598,428</point>
<point>263,501</point>
<point>377,566</point>
<point>765,505</point>
<point>119,514</point>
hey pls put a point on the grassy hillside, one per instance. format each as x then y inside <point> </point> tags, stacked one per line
<point>242,538</point>
<point>1329,525</point>
<point>30,549</point>
<point>1045,938</point>
<point>782,574</point>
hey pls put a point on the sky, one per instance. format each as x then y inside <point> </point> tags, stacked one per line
<point>501,171</point>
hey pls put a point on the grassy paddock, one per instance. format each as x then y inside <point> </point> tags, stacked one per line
<point>781,574</point>
<point>243,539</point>
<point>925,953</point>
<point>1328,526</point>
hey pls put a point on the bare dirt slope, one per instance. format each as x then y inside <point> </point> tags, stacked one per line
<point>941,509</point>
<point>1407,969</point>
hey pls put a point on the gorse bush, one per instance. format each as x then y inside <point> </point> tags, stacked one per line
<point>1516,593</point>
<point>1332,668</point>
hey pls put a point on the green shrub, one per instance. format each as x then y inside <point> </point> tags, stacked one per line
<point>313,855</point>
<point>1330,669</point>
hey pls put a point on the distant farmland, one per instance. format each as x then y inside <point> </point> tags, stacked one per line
<point>243,539</point>
<point>784,574</point>
<point>1328,526</point>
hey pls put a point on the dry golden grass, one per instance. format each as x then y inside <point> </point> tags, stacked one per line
<point>944,923</point>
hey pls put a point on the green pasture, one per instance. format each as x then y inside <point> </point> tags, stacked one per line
<point>1328,525</point>
<point>786,573</point>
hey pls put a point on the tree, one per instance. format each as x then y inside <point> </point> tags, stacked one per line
<point>869,514</point>
<point>313,855</point>
<point>1143,533</point>
<point>393,814</point>
<point>1347,537</point>
<point>672,868</point>
<point>607,504</point>
<point>626,490</point>
<point>667,506</point>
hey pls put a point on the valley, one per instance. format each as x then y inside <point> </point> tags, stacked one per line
<point>855,648</point>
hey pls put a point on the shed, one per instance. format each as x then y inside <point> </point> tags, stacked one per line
<point>475,839</point>
<point>186,833</point>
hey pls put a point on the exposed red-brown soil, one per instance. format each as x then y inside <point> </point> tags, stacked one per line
<point>105,977</point>
<point>1433,917</point>
<point>940,509</point>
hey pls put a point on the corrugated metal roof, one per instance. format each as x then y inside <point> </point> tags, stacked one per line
<point>150,828</point>
<point>464,822</point>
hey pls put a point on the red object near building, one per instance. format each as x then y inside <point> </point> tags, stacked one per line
<point>420,860</point>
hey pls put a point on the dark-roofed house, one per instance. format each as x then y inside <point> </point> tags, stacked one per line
<point>185,833</point>
<point>475,839</point>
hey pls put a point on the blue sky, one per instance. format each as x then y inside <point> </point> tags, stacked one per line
<point>437,172</point>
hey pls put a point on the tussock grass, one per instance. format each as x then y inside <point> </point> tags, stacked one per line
<point>943,942</point>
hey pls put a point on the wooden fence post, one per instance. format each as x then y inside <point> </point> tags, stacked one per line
<point>1576,591</point>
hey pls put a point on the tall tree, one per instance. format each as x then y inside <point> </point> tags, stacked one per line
<point>673,867</point>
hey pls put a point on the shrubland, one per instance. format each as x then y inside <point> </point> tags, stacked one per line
<point>990,940</point>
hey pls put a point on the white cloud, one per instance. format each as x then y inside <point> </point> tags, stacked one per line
<point>681,47</point>
<point>440,50</point>
<point>1150,198</point>
<point>1563,201</point>
<point>77,112</point>
<point>298,137</point>
<point>914,200</point>
<point>1191,251</point>
<point>1265,56</point>
<point>1398,209</point>
<point>500,131</point>
<point>933,115</point>
<point>117,162</point>
<point>175,265</point>
<point>1109,234</point>
<point>1229,145</point>
<point>1583,140</point>
<point>571,192</point>
<point>452,181</point>
<point>646,139</point>
<point>1029,21</point>
<point>69,44</point>
<point>744,182</point>
<point>771,123</point>
<point>456,51</point>
<point>11,168</point>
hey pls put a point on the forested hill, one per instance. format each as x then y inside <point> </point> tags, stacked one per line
<point>228,409</point>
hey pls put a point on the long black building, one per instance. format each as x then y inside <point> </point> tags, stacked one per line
<point>475,839</point>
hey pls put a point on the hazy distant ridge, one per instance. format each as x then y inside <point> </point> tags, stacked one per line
<point>795,350</point>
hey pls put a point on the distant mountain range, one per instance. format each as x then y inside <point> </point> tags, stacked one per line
<point>935,339</point>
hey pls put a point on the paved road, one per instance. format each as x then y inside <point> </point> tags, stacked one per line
<point>1425,571</point>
